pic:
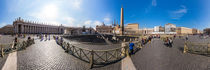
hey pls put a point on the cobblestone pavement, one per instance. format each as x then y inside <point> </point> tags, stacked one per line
<point>47,55</point>
<point>5,39</point>
<point>156,56</point>
<point>2,61</point>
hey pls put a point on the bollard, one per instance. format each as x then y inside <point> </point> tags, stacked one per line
<point>91,59</point>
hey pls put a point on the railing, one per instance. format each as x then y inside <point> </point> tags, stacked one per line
<point>197,48</point>
<point>8,48</point>
<point>99,57</point>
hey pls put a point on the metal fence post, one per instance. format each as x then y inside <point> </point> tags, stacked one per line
<point>67,49</point>
<point>127,51</point>
<point>123,50</point>
<point>24,45</point>
<point>91,59</point>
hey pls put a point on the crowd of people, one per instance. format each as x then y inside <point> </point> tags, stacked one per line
<point>47,37</point>
<point>143,42</point>
<point>168,42</point>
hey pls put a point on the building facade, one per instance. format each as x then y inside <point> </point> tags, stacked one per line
<point>146,31</point>
<point>206,31</point>
<point>25,27</point>
<point>79,31</point>
<point>103,29</point>
<point>196,31</point>
<point>184,30</point>
<point>170,28</point>
<point>132,29</point>
<point>159,30</point>
<point>8,29</point>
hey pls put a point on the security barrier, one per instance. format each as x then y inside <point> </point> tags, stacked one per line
<point>197,48</point>
<point>8,48</point>
<point>99,57</point>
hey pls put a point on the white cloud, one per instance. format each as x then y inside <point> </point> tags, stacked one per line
<point>106,19</point>
<point>70,21</point>
<point>77,3</point>
<point>88,22</point>
<point>177,14</point>
<point>182,10</point>
<point>73,4</point>
<point>3,24</point>
<point>149,8</point>
<point>91,23</point>
<point>55,12</point>
<point>154,3</point>
<point>49,11</point>
<point>97,23</point>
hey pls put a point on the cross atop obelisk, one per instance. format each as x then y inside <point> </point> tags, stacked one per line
<point>122,22</point>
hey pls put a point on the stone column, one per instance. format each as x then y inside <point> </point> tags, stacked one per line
<point>47,30</point>
<point>30,29</point>
<point>22,29</point>
<point>26,29</point>
<point>41,30</point>
<point>33,29</point>
<point>36,29</point>
<point>122,22</point>
<point>15,31</point>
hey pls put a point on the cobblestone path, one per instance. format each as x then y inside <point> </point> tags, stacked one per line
<point>47,55</point>
<point>156,56</point>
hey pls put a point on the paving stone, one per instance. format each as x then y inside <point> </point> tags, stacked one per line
<point>156,56</point>
<point>47,55</point>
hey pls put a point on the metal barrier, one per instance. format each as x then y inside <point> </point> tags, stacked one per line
<point>8,48</point>
<point>99,57</point>
<point>197,48</point>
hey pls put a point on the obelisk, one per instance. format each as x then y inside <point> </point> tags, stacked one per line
<point>122,22</point>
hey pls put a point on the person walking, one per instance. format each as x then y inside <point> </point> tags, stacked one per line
<point>142,42</point>
<point>186,37</point>
<point>45,37</point>
<point>170,42</point>
<point>49,37</point>
<point>131,45</point>
<point>15,43</point>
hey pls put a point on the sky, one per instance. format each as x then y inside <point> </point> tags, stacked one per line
<point>77,13</point>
